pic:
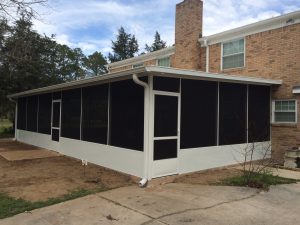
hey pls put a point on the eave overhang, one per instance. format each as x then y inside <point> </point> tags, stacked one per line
<point>148,71</point>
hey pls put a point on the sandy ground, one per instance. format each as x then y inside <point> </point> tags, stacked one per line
<point>40,179</point>
<point>208,177</point>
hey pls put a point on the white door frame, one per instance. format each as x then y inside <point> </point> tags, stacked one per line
<point>165,167</point>
<point>56,128</point>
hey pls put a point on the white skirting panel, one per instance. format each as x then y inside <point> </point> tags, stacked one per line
<point>37,139</point>
<point>191,160</point>
<point>120,159</point>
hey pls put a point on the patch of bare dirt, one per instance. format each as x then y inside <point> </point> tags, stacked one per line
<point>40,179</point>
<point>208,177</point>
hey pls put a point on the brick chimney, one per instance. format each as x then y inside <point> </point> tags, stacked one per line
<point>188,29</point>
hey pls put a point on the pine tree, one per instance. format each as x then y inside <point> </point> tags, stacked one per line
<point>126,46</point>
<point>157,44</point>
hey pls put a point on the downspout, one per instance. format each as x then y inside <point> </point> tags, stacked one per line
<point>207,55</point>
<point>16,113</point>
<point>143,182</point>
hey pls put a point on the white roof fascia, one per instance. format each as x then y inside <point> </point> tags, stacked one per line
<point>142,58</point>
<point>261,26</point>
<point>296,90</point>
<point>193,74</point>
<point>160,71</point>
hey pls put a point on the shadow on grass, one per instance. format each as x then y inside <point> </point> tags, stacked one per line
<point>10,206</point>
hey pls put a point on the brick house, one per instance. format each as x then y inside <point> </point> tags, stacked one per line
<point>193,106</point>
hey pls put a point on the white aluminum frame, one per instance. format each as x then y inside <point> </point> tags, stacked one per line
<point>172,163</point>
<point>56,128</point>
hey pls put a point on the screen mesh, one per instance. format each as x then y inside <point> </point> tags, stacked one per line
<point>259,113</point>
<point>71,110</point>
<point>21,116</point>
<point>232,117</point>
<point>44,113</point>
<point>95,114</point>
<point>127,115</point>
<point>32,109</point>
<point>198,113</point>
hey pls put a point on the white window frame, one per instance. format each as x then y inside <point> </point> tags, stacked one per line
<point>273,111</point>
<point>165,57</point>
<point>222,44</point>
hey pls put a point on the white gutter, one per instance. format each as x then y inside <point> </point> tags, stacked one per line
<point>296,90</point>
<point>144,181</point>
<point>207,55</point>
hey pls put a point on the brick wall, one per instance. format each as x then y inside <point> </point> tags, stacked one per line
<point>272,54</point>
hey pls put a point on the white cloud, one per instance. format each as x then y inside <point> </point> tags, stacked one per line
<point>92,24</point>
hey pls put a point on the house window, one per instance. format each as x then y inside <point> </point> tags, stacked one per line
<point>138,65</point>
<point>164,62</point>
<point>233,54</point>
<point>284,111</point>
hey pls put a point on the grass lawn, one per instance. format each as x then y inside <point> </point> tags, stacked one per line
<point>5,128</point>
<point>10,206</point>
<point>262,181</point>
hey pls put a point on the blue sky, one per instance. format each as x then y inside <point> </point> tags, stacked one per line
<point>92,24</point>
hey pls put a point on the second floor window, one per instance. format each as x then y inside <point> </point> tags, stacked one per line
<point>233,54</point>
<point>165,62</point>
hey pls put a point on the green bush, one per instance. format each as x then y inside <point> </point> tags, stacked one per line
<point>262,181</point>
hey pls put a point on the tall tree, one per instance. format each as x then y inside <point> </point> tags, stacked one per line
<point>157,44</point>
<point>29,60</point>
<point>95,64</point>
<point>126,46</point>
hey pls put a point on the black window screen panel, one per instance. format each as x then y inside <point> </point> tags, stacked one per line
<point>199,103</point>
<point>258,113</point>
<point>165,149</point>
<point>127,115</point>
<point>21,117</point>
<point>165,116</point>
<point>95,114</point>
<point>44,113</point>
<point>166,84</point>
<point>57,95</point>
<point>55,135</point>
<point>232,117</point>
<point>71,110</point>
<point>32,109</point>
<point>56,114</point>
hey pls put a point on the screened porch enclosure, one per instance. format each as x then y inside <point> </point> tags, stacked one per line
<point>200,116</point>
<point>109,114</point>
<point>171,125</point>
